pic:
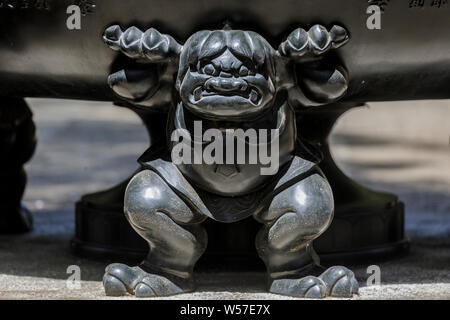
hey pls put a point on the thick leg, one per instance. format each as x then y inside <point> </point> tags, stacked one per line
<point>174,235</point>
<point>17,144</point>
<point>296,217</point>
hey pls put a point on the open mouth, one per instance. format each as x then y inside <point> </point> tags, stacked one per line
<point>249,93</point>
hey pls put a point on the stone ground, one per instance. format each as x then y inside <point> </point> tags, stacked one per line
<point>87,146</point>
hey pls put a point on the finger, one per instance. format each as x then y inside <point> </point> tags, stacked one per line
<point>319,39</point>
<point>155,46</point>
<point>311,44</point>
<point>111,37</point>
<point>324,84</point>
<point>130,42</point>
<point>339,36</point>
<point>151,45</point>
<point>134,84</point>
<point>296,43</point>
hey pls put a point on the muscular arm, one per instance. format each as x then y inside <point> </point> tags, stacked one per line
<point>157,55</point>
<point>318,81</point>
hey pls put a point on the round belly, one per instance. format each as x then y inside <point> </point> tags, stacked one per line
<point>258,167</point>
<point>237,178</point>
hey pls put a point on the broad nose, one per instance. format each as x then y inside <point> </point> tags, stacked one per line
<point>226,84</point>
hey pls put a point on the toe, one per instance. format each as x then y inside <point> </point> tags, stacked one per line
<point>307,287</point>
<point>316,292</point>
<point>113,286</point>
<point>120,271</point>
<point>340,282</point>
<point>342,288</point>
<point>142,290</point>
<point>127,276</point>
<point>313,288</point>
<point>160,286</point>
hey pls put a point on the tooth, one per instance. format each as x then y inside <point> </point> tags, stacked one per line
<point>197,93</point>
<point>253,96</point>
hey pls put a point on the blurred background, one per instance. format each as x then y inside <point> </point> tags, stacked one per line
<point>400,147</point>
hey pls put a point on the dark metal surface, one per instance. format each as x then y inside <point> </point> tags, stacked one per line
<point>226,80</point>
<point>17,145</point>
<point>41,57</point>
<point>407,59</point>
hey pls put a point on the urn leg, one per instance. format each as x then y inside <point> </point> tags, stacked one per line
<point>367,224</point>
<point>101,230</point>
<point>17,144</point>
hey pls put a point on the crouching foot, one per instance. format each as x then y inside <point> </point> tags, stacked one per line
<point>340,282</point>
<point>120,279</point>
<point>307,287</point>
<point>336,281</point>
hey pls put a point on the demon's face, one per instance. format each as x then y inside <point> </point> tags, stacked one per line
<point>226,74</point>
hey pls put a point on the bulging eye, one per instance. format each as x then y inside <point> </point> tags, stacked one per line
<point>209,69</point>
<point>243,71</point>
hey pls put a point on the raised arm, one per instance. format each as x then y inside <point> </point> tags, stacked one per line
<point>142,85</point>
<point>318,80</point>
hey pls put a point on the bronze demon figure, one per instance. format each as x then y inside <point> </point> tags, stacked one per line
<point>219,82</point>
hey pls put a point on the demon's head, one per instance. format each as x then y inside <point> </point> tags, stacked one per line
<point>226,73</point>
